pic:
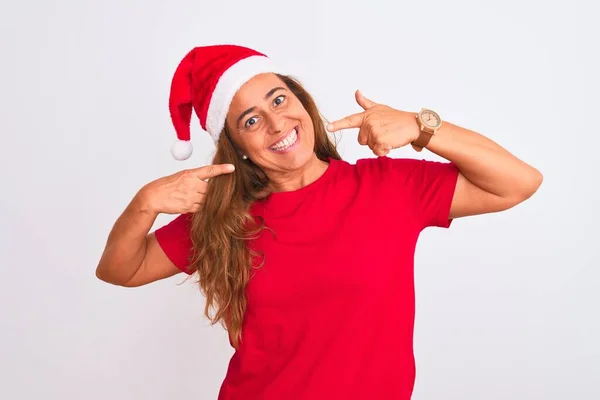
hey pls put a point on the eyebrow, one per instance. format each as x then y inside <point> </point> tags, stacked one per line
<point>251,109</point>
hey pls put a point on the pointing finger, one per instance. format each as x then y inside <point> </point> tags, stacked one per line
<point>351,121</point>
<point>210,171</point>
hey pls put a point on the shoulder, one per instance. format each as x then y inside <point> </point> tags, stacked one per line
<point>407,167</point>
<point>176,231</point>
<point>377,168</point>
<point>384,164</point>
<point>403,176</point>
<point>174,239</point>
<point>423,188</point>
<point>376,176</point>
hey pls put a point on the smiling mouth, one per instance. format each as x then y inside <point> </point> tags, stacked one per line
<point>288,141</point>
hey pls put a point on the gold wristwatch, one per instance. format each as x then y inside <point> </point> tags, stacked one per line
<point>429,122</point>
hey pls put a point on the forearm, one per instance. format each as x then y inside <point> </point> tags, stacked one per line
<point>484,163</point>
<point>126,244</point>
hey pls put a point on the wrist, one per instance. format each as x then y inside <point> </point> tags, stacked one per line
<point>416,127</point>
<point>428,122</point>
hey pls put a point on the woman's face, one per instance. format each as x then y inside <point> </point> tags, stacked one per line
<point>270,125</point>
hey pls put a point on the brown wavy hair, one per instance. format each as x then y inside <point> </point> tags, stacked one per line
<point>220,231</point>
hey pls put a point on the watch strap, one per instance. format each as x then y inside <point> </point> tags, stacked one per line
<point>422,141</point>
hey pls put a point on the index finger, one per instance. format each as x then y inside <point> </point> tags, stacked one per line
<point>351,121</point>
<point>210,171</point>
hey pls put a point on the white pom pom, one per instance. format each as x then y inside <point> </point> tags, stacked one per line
<point>181,149</point>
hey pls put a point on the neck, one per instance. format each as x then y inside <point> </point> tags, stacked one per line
<point>299,178</point>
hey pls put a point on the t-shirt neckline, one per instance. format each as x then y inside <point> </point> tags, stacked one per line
<point>287,197</point>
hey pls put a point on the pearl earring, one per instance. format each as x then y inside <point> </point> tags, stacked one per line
<point>245,157</point>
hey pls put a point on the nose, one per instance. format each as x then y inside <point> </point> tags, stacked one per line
<point>276,123</point>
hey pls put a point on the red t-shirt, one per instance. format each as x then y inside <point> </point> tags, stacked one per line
<point>330,314</point>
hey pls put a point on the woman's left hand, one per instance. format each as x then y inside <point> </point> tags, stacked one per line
<point>382,128</point>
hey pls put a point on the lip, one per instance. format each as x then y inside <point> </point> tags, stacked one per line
<point>280,139</point>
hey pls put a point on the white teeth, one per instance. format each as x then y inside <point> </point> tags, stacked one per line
<point>286,142</point>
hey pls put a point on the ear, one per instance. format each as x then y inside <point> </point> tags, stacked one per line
<point>363,101</point>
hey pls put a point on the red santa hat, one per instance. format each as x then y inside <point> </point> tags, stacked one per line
<point>205,81</point>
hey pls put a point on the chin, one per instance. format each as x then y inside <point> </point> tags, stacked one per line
<point>293,161</point>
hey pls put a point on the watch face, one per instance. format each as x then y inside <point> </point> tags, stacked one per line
<point>431,118</point>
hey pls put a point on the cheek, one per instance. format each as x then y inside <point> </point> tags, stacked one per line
<point>254,142</point>
<point>246,142</point>
<point>309,129</point>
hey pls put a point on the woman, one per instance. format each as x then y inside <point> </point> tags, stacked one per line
<point>306,259</point>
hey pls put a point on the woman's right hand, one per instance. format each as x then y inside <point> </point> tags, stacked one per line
<point>182,192</point>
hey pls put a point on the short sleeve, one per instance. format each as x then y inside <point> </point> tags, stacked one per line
<point>428,185</point>
<point>174,239</point>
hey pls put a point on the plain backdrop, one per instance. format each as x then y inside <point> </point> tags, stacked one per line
<point>507,304</point>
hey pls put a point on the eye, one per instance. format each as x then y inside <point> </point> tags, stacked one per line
<point>250,122</point>
<point>279,99</point>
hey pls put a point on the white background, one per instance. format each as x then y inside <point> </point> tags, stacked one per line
<point>507,304</point>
